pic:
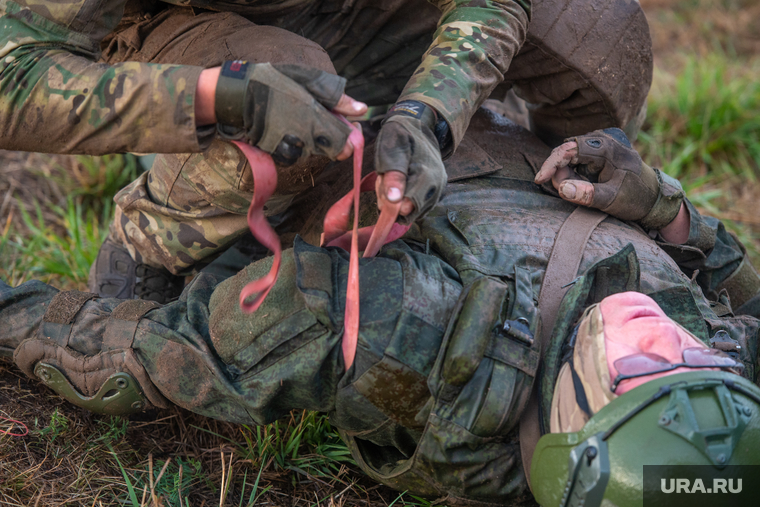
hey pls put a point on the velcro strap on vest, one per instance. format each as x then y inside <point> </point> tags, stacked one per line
<point>56,323</point>
<point>120,328</point>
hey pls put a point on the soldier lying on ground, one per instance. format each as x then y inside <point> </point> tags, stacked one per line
<point>154,90</point>
<point>463,359</point>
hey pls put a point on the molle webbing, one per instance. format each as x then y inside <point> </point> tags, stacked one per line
<point>56,323</point>
<point>121,327</point>
<point>561,270</point>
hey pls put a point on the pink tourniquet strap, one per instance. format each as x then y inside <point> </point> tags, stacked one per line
<point>264,184</point>
<point>351,317</point>
<point>370,239</point>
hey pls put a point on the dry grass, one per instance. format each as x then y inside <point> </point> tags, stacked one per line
<point>68,459</point>
<point>702,26</point>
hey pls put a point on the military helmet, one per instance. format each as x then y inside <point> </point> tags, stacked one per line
<point>702,417</point>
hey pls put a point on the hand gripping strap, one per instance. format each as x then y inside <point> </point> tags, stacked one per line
<point>372,238</point>
<point>336,225</point>
<point>561,270</point>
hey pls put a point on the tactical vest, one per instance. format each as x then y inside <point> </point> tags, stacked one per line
<point>454,435</point>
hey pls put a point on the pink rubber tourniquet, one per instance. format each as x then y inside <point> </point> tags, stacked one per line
<point>369,239</point>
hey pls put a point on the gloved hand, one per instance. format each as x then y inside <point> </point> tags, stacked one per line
<point>282,109</point>
<point>408,158</point>
<point>603,171</point>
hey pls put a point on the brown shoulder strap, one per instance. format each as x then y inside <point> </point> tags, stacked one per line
<point>561,270</point>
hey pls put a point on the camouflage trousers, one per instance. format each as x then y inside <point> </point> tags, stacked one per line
<point>190,207</point>
<point>427,406</point>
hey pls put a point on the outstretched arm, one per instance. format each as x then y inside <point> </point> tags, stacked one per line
<point>57,99</point>
<point>602,170</point>
<point>472,49</point>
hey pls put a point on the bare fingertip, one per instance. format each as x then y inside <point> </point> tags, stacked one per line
<point>568,191</point>
<point>393,194</point>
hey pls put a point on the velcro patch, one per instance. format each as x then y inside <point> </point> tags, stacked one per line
<point>236,69</point>
<point>412,108</point>
<point>65,305</point>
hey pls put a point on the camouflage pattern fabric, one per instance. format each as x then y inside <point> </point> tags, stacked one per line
<point>142,101</point>
<point>442,432</point>
<point>589,367</point>
<point>47,50</point>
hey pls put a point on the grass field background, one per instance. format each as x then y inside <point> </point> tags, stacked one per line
<point>703,127</point>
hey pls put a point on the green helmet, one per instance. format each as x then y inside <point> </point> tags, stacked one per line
<point>697,418</point>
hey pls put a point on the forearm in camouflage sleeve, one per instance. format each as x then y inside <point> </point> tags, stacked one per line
<point>473,47</point>
<point>55,100</point>
<point>721,260</point>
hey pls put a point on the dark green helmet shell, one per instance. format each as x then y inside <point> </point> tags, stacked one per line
<point>696,418</point>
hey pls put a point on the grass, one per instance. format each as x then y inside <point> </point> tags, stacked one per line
<point>168,458</point>
<point>703,127</point>
<point>55,236</point>
<point>171,458</point>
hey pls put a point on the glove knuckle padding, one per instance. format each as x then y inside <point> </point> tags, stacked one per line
<point>626,187</point>
<point>406,144</point>
<point>326,88</point>
<point>291,110</point>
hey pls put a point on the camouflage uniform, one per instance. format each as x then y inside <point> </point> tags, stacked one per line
<point>583,66</point>
<point>426,407</point>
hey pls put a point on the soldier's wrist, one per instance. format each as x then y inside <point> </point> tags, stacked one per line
<point>668,204</point>
<point>230,93</point>
<point>205,96</point>
<point>429,117</point>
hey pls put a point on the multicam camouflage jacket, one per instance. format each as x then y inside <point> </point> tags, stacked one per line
<point>431,402</point>
<point>56,98</point>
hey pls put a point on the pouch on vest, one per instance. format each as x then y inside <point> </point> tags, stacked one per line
<point>489,358</point>
<point>480,383</point>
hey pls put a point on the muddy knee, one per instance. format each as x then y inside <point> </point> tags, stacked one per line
<point>176,35</point>
<point>583,67</point>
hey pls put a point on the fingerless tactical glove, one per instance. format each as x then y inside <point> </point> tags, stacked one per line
<point>282,109</point>
<point>406,143</point>
<point>624,186</point>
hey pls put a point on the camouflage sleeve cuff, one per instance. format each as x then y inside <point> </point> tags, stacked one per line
<point>473,48</point>
<point>180,134</point>
<point>702,232</point>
